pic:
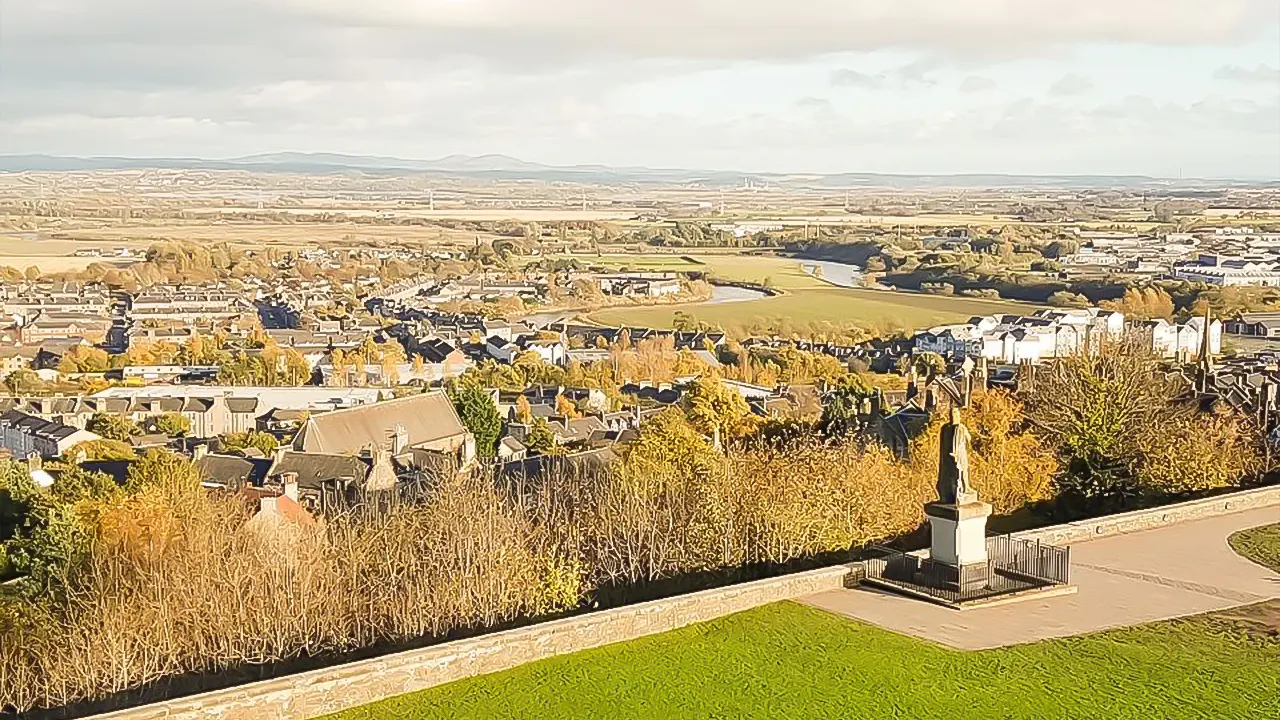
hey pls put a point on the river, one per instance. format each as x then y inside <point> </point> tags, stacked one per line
<point>732,293</point>
<point>836,273</point>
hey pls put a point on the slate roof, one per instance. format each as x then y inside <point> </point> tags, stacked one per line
<point>313,469</point>
<point>425,418</point>
<point>231,471</point>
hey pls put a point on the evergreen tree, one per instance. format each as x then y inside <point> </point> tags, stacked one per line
<point>479,415</point>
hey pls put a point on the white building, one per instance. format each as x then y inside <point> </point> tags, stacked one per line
<point>1183,338</point>
<point>1020,338</point>
<point>1216,270</point>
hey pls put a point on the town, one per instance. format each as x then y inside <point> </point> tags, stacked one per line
<point>571,361</point>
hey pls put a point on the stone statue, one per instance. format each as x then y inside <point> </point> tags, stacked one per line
<point>953,460</point>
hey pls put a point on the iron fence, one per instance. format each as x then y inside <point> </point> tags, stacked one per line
<point>1013,565</point>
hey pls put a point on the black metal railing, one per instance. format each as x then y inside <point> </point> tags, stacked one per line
<point>1013,565</point>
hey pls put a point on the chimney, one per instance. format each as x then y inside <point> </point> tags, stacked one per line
<point>199,451</point>
<point>267,505</point>
<point>290,481</point>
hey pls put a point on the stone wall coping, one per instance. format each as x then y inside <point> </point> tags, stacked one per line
<point>1151,518</point>
<point>326,690</point>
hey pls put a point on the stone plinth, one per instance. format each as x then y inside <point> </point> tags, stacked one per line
<point>958,531</point>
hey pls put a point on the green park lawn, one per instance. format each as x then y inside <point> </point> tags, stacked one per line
<point>791,661</point>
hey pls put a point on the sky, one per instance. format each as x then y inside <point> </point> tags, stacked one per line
<point>1158,87</point>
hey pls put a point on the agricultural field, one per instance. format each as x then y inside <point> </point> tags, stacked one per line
<point>791,661</point>
<point>256,235</point>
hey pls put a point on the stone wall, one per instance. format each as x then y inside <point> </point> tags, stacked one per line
<point>1085,530</point>
<point>310,694</point>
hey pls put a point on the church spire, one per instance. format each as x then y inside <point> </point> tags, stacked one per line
<point>1204,365</point>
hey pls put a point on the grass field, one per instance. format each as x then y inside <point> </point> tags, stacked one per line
<point>808,300</point>
<point>660,263</point>
<point>1260,544</point>
<point>791,661</point>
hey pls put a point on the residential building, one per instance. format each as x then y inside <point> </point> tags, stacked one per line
<point>26,436</point>
<point>1265,325</point>
<point>426,422</point>
<point>1229,271</point>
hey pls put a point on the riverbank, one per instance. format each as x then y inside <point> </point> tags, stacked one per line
<point>802,304</point>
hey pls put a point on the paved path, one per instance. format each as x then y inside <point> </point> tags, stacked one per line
<point>1131,579</point>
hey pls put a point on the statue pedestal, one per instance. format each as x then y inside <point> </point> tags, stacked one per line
<point>958,537</point>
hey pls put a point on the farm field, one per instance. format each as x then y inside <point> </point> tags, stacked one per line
<point>791,661</point>
<point>372,209</point>
<point>259,235</point>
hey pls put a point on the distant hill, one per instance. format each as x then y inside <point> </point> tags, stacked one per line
<point>498,167</point>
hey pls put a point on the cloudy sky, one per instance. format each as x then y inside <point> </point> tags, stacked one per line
<point>938,86</point>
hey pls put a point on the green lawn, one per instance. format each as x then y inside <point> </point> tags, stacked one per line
<point>841,307</point>
<point>790,661</point>
<point>808,301</point>
<point>1260,544</point>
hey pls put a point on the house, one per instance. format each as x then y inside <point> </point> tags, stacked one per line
<point>279,514</point>
<point>553,351</point>
<point>1018,339</point>
<point>17,357</point>
<point>501,349</point>
<point>1234,271</point>
<point>230,472</point>
<point>1265,325</point>
<point>26,436</point>
<point>1183,338</point>
<point>54,326</point>
<point>425,422</point>
<point>570,432</point>
<point>747,390</point>
<point>511,450</point>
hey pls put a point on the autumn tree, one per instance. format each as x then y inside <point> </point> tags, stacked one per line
<point>24,382</point>
<point>716,410</point>
<point>263,442</point>
<point>171,424</point>
<point>113,426</point>
<point>84,359</point>
<point>1127,432</point>
<point>541,437</point>
<point>524,411</point>
<point>565,407</point>
<point>1147,303</point>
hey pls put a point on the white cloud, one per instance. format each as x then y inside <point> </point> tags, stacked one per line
<point>977,84</point>
<point>915,73</point>
<point>529,32</point>
<point>1071,85</point>
<point>1260,74</point>
<point>544,79</point>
